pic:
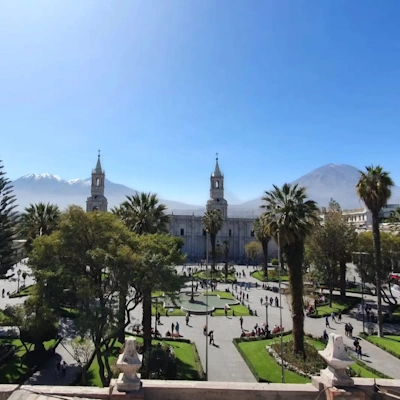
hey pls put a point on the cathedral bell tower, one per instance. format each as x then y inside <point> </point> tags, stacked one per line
<point>217,201</point>
<point>97,201</point>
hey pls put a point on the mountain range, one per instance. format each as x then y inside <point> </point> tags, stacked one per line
<point>335,181</point>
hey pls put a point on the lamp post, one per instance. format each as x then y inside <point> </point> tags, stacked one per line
<point>19,274</point>
<point>360,255</point>
<point>155,325</point>
<point>206,373</point>
<point>266,318</point>
<point>192,294</point>
<point>280,308</point>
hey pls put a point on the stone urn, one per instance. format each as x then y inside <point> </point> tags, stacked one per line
<point>129,363</point>
<point>337,359</point>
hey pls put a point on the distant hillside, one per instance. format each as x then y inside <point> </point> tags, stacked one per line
<point>337,181</point>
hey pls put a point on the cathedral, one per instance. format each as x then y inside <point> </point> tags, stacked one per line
<point>237,231</point>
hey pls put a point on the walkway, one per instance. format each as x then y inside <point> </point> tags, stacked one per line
<point>225,363</point>
<point>64,352</point>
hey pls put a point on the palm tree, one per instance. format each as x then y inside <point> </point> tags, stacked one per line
<point>213,222</point>
<point>291,218</point>
<point>374,189</point>
<point>226,246</point>
<point>261,231</point>
<point>142,214</point>
<point>39,219</point>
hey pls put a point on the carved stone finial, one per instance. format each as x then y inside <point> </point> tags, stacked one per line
<point>129,362</point>
<point>337,359</point>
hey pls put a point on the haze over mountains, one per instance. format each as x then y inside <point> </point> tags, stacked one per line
<point>335,181</point>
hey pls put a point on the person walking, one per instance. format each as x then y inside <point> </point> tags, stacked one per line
<point>172,328</point>
<point>261,300</point>
<point>177,327</point>
<point>187,319</point>
<point>327,322</point>
<point>241,322</point>
<point>339,317</point>
<point>333,316</point>
<point>211,335</point>
<point>64,369</point>
<point>359,352</point>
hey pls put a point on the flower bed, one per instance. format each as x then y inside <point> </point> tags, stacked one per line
<point>306,367</point>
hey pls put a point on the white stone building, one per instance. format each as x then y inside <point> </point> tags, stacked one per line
<point>237,231</point>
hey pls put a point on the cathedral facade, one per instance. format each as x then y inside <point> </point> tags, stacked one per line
<point>237,231</point>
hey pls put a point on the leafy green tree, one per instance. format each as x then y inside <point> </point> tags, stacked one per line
<point>253,251</point>
<point>394,216</point>
<point>143,214</point>
<point>36,321</point>
<point>365,262</point>
<point>344,242</point>
<point>8,217</point>
<point>83,349</point>
<point>37,220</point>
<point>292,217</point>
<point>263,235</point>
<point>374,189</point>
<point>213,221</point>
<point>85,259</point>
<point>325,247</point>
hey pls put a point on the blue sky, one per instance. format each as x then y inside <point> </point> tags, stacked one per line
<point>276,87</point>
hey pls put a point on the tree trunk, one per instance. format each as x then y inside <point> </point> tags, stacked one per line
<point>226,271</point>
<point>378,267</point>
<point>294,257</point>
<point>330,295</point>
<point>342,279</point>
<point>101,366</point>
<point>146,320</point>
<point>281,261</point>
<point>213,253</point>
<point>264,245</point>
<point>121,315</point>
<point>39,347</point>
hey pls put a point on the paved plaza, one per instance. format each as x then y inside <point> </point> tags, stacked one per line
<point>224,361</point>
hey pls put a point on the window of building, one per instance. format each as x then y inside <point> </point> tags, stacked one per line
<point>182,232</point>
<point>98,182</point>
<point>216,184</point>
<point>204,232</point>
<point>252,233</point>
<point>230,232</point>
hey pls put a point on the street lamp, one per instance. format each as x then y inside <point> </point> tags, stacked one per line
<point>155,325</point>
<point>206,332</point>
<point>19,274</point>
<point>280,308</point>
<point>360,255</point>
<point>192,294</point>
<point>266,318</point>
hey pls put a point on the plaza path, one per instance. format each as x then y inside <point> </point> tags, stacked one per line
<point>224,361</point>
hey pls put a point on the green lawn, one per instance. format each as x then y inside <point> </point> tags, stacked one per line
<point>337,305</point>
<point>265,369</point>
<point>263,365</point>
<point>24,292</point>
<point>220,293</point>
<point>389,343</point>
<point>239,309</point>
<point>272,276</point>
<point>20,365</point>
<point>176,312</point>
<point>188,363</point>
<point>216,275</point>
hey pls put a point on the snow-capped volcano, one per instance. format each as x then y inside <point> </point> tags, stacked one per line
<point>35,188</point>
<point>46,175</point>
